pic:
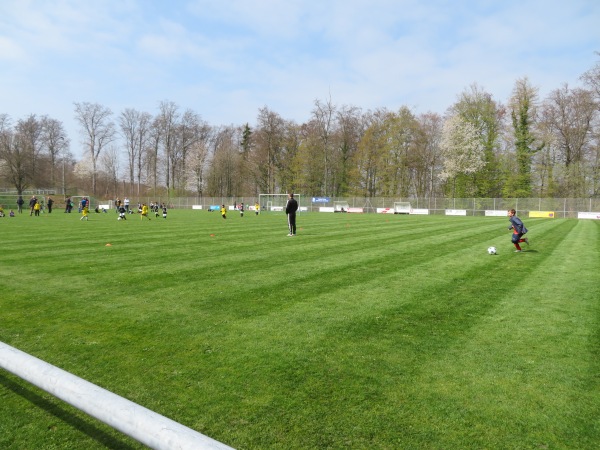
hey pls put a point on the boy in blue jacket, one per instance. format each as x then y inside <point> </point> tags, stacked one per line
<point>518,228</point>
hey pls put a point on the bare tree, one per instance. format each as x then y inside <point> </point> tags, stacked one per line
<point>56,142</point>
<point>223,179</point>
<point>198,160</point>
<point>569,115</point>
<point>135,128</point>
<point>324,116</point>
<point>29,133</point>
<point>192,133</point>
<point>13,155</point>
<point>168,119</point>
<point>592,79</point>
<point>197,156</point>
<point>269,137</point>
<point>98,130</point>
<point>152,155</point>
<point>109,161</point>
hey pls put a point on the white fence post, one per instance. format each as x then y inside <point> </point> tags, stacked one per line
<point>140,423</point>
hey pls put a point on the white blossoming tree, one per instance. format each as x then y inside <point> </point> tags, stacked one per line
<point>461,151</point>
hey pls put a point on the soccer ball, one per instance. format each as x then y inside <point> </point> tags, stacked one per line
<point>492,250</point>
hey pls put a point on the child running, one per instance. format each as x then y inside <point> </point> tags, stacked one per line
<point>144,212</point>
<point>518,228</point>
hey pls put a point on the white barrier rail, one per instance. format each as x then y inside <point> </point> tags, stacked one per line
<point>140,423</point>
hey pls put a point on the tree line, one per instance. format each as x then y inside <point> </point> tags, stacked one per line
<point>480,147</point>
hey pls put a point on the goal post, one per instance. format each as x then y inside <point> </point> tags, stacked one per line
<point>402,208</point>
<point>274,202</point>
<point>340,206</point>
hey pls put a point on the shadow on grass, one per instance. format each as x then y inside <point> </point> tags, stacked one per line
<point>102,437</point>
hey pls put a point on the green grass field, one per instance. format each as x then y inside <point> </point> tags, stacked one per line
<point>364,331</point>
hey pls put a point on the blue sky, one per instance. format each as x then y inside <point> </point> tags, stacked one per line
<point>226,59</point>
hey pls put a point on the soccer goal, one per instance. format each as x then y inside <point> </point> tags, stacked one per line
<point>274,202</point>
<point>402,208</point>
<point>340,206</point>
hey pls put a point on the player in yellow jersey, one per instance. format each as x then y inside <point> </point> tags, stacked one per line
<point>145,212</point>
<point>84,213</point>
<point>223,212</point>
<point>256,208</point>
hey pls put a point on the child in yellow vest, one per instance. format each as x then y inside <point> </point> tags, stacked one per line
<point>144,212</point>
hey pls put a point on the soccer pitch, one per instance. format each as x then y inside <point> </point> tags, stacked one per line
<point>363,331</point>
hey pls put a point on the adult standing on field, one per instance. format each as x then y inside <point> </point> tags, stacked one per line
<point>20,203</point>
<point>49,202</point>
<point>32,203</point>
<point>290,209</point>
<point>518,228</point>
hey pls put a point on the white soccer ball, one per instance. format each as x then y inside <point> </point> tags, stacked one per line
<point>492,250</point>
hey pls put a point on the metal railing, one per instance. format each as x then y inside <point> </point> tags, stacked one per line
<point>140,423</point>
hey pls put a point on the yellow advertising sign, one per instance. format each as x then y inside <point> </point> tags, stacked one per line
<point>543,214</point>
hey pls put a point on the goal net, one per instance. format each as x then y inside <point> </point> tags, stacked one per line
<point>402,208</point>
<point>340,206</point>
<point>274,202</point>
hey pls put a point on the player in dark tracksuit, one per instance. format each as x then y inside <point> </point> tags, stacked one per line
<point>518,228</point>
<point>290,209</point>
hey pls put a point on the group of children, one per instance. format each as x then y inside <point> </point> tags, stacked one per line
<point>240,208</point>
<point>123,210</point>
<point>143,210</point>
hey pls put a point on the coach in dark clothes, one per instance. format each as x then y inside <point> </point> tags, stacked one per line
<point>290,209</point>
